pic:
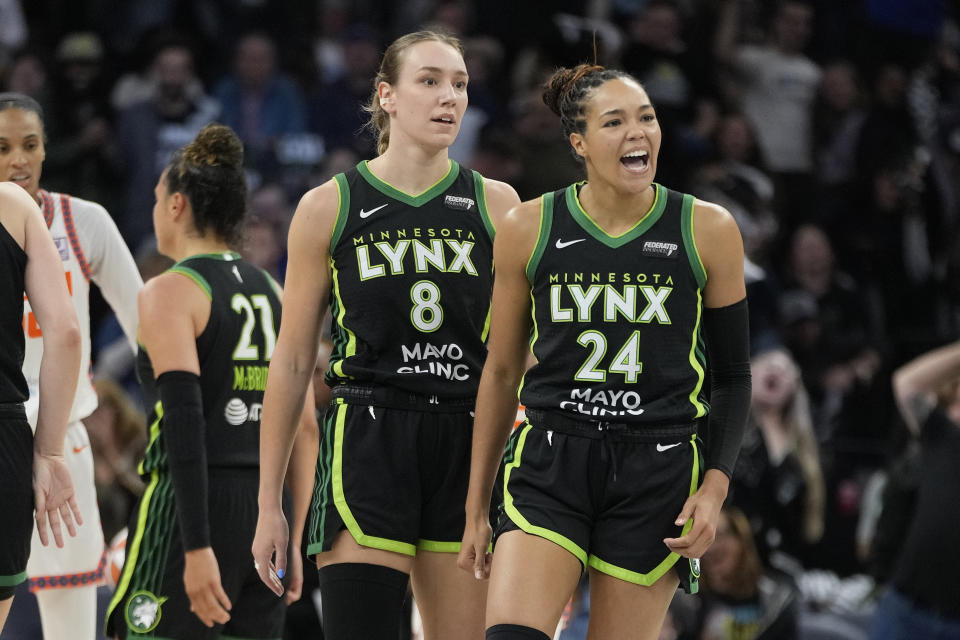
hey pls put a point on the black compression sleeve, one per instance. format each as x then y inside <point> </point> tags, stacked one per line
<point>184,433</point>
<point>727,332</point>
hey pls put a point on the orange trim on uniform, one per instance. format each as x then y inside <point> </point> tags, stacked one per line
<point>72,234</point>
<point>70,580</point>
<point>47,207</point>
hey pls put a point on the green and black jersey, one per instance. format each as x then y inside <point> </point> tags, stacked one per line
<point>13,265</point>
<point>617,319</point>
<point>234,351</point>
<point>412,279</point>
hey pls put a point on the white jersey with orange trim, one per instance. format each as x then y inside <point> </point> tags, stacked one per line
<point>91,248</point>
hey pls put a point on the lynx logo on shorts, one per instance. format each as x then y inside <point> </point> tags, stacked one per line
<point>695,567</point>
<point>143,611</point>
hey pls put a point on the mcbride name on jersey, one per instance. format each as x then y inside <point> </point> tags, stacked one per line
<point>234,350</point>
<point>617,319</point>
<point>412,278</point>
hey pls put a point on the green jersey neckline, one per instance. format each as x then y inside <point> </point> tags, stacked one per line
<point>388,189</point>
<point>587,223</point>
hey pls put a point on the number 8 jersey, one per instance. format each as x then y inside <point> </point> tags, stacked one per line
<point>617,318</point>
<point>412,279</point>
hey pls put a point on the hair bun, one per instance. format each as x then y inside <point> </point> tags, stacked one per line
<point>562,81</point>
<point>215,145</point>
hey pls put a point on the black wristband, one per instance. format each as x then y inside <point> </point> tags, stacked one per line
<point>184,434</point>
<point>727,332</point>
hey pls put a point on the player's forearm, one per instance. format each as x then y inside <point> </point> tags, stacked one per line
<point>283,404</point>
<point>302,468</point>
<point>59,365</point>
<point>495,414</point>
<point>926,373</point>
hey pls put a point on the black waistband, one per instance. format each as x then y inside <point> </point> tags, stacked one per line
<point>12,410</point>
<point>381,396</point>
<point>597,429</point>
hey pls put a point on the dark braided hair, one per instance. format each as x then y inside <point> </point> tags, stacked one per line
<point>567,92</point>
<point>209,172</point>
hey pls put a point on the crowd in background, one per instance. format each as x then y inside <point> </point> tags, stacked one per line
<point>830,130</point>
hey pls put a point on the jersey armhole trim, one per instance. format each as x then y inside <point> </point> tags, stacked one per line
<point>343,208</point>
<point>543,234</point>
<point>690,241</point>
<point>195,276</point>
<point>480,188</point>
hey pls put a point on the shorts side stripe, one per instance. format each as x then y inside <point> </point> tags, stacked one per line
<point>514,514</point>
<point>340,500</point>
<point>437,546</point>
<point>318,505</point>
<point>647,579</point>
<point>13,580</point>
<point>131,561</point>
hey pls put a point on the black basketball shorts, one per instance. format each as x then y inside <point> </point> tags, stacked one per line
<point>393,470</point>
<point>150,601</point>
<point>608,497</point>
<point>16,496</point>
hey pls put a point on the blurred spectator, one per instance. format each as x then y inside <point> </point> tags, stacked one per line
<point>335,110</point>
<point>117,438</point>
<point>148,132</point>
<point>741,600</point>
<point>778,481</point>
<point>13,28</point>
<point>838,118</point>
<point>78,156</point>
<point>258,101</point>
<point>919,604</point>
<point>27,74</point>
<point>544,153</point>
<point>262,247</point>
<point>777,84</point>
<point>657,55</point>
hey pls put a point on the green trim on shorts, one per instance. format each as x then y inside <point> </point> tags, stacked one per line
<point>13,580</point>
<point>437,546</point>
<point>522,522</point>
<point>649,578</point>
<point>340,500</point>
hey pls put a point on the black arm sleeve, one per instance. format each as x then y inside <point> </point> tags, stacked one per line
<point>184,433</point>
<point>727,332</point>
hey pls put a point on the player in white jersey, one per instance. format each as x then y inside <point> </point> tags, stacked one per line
<point>91,249</point>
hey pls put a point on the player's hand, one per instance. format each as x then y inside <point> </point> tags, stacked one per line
<point>295,576</point>
<point>53,497</point>
<point>201,578</point>
<point>474,555</point>
<point>703,508</point>
<point>270,548</point>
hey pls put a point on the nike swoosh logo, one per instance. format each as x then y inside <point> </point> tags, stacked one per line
<point>661,448</point>
<point>563,245</point>
<point>79,449</point>
<point>367,214</point>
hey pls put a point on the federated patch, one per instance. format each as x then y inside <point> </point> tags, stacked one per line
<point>459,203</point>
<point>655,249</point>
<point>143,611</point>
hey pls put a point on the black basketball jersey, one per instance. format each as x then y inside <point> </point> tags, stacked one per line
<point>234,350</point>
<point>412,279</point>
<point>617,319</point>
<point>13,265</point>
